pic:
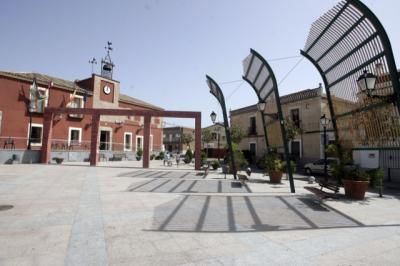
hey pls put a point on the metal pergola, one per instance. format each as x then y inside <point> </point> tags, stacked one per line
<point>258,73</point>
<point>344,43</point>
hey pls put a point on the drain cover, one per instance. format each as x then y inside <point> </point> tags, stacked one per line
<point>5,207</point>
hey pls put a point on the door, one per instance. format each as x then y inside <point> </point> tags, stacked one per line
<point>295,148</point>
<point>104,140</point>
<point>252,153</point>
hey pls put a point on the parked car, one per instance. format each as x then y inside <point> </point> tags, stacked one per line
<point>318,166</point>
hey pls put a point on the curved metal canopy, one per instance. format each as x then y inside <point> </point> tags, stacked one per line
<point>342,44</point>
<point>258,73</point>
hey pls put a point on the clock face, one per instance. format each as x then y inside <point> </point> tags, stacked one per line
<point>107,89</point>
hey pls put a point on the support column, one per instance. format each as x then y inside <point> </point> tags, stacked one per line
<point>94,140</point>
<point>146,141</point>
<point>47,135</point>
<point>197,145</point>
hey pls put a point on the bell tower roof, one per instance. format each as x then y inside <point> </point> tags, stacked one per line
<point>107,66</point>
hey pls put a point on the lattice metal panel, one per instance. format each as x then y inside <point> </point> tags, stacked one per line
<point>260,76</point>
<point>342,44</point>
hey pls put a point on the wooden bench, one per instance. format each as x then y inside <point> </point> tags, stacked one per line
<point>118,156</point>
<point>331,186</point>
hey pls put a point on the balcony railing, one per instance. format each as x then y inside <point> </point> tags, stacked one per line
<point>252,131</point>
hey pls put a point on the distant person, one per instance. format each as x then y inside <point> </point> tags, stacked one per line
<point>178,159</point>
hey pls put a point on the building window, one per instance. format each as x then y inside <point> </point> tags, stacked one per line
<point>36,134</point>
<point>213,136</point>
<point>295,116</point>
<point>127,141</point>
<point>139,142</point>
<point>76,102</point>
<point>74,136</point>
<point>253,126</point>
<point>39,98</point>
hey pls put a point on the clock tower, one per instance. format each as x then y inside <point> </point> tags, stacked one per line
<point>105,89</point>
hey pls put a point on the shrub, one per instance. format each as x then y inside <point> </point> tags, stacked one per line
<point>189,155</point>
<point>215,164</point>
<point>139,152</point>
<point>160,156</point>
<point>152,157</point>
<point>240,160</point>
<point>292,166</point>
<point>376,177</point>
<point>203,157</point>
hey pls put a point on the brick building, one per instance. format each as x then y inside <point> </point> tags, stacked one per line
<point>172,139</point>
<point>70,132</point>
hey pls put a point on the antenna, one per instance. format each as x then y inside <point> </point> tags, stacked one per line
<point>93,62</point>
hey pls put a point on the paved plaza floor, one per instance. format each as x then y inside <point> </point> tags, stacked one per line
<point>120,214</point>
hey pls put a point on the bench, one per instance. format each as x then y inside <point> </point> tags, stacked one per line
<point>242,178</point>
<point>118,156</point>
<point>205,168</point>
<point>331,186</point>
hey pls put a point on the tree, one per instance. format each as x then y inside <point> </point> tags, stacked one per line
<point>187,138</point>
<point>206,137</point>
<point>291,129</point>
<point>237,134</point>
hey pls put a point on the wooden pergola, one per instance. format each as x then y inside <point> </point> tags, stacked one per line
<point>95,113</point>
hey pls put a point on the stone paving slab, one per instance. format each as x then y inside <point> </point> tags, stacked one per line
<point>80,215</point>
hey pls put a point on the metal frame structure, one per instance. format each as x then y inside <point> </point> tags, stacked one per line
<point>259,74</point>
<point>95,113</point>
<point>217,92</point>
<point>342,44</point>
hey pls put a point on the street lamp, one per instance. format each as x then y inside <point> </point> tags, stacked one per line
<point>367,82</point>
<point>324,122</point>
<point>213,116</point>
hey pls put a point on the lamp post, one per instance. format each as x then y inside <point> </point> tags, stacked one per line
<point>324,122</point>
<point>261,108</point>
<point>213,116</point>
<point>217,92</point>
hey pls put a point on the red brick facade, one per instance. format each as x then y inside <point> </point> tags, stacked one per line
<point>67,129</point>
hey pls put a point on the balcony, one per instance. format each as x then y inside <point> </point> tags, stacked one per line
<point>252,131</point>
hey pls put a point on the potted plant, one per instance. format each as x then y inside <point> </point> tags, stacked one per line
<point>139,154</point>
<point>357,185</point>
<point>274,167</point>
<point>58,160</point>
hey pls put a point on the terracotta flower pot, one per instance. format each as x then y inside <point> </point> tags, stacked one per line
<point>275,177</point>
<point>355,189</point>
<point>348,186</point>
<point>359,189</point>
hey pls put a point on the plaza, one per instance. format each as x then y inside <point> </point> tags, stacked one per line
<point>121,214</point>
